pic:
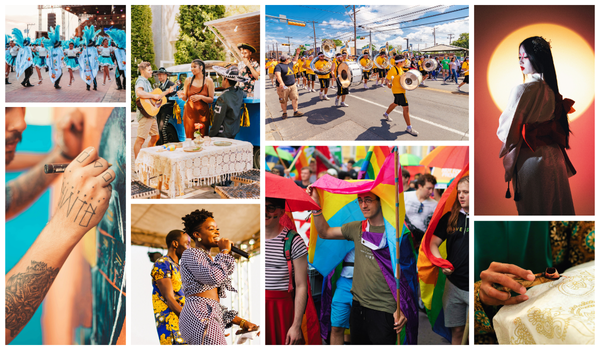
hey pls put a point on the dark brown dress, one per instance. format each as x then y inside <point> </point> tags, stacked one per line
<point>196,112</point>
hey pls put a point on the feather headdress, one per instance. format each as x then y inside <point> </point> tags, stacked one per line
<point>76,41</point>
<point>53,37</point>
<point>7,39</point>
<point>89,35</point>
<point>118,36</point>
<point>100,40</point>
<point>18,35</point>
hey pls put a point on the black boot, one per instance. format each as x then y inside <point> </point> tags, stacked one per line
<point>95,85</point>
<point>6,81</point>
<point>87,87</point>
<point>56,86</point>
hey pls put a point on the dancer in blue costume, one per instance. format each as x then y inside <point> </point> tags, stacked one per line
<point>88,60</point>
<point>71,58</point>
<point>24,61</point>
<point>120,40</point>
<point>55,57</point>
<point>104,59</point>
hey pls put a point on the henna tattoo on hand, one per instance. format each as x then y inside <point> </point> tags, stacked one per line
<point>25,292</point>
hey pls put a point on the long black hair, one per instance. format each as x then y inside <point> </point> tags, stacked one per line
<point>199,62</point>
<point>540,56</point>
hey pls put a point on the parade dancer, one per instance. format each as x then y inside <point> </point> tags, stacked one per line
<point>323,78</point>
<point>11,58</point>
<point>56,56</point>
<point>24,62</point>
<point>88,60</point>
<point>104,59</point>
<point>41,54</point>
<point>71,59</point>
<point>119,38</point>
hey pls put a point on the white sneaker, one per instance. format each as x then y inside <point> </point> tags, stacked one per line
<point>344,104</point>
<point>458,88</point>
<point>325,97</point>
<point>365,85</point>
<point>387,117</point>
<point>412,131</point>
<point>337,102</point>
<point>321,97</point>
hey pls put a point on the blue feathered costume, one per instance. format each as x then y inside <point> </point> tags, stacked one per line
<point>24,61</point>
<point>56,56</point>
<point>120,40</point>
<point>88,60</point>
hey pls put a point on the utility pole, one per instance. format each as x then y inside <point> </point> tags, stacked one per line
<point>355,48</point>
<point>407,47</point>
<point>315,39</point>
<point>434,36</point>
<point>450,39</point>
<point>289,45</point>
<point>370,45</point>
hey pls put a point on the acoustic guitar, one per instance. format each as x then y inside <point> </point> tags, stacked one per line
<point>149,107</point>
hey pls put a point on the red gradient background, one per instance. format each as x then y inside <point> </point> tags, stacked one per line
<point>492,25</point>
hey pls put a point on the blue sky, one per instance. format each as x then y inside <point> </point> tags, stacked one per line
<point>335,22</point>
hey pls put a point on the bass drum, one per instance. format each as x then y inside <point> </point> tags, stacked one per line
<point>349,73</point>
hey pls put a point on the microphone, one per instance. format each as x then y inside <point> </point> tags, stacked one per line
<point>239,251</point>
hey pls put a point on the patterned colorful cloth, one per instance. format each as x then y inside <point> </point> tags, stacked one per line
<point>167,322</point>
<point>248,86</point>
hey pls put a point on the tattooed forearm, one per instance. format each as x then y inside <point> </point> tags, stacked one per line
<point>25,292</point>
<point>27,187</point>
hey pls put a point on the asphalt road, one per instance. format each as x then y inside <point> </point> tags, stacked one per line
<point>437,111</point>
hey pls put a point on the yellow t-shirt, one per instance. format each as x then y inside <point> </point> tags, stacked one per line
<point>319,65</point>
<point>307,66</point>
<point>301,65</point>
<point>394,76</point>
<point>380,60</point>
<point>296,67</point>
<point>420,65</point>
<point>465,67</point>
<point>392,62</point>
<point>365,62</point>
<point>271,66</point>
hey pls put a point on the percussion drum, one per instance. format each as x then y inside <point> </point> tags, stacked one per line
<point>348,73</point>
<point>411,79</point>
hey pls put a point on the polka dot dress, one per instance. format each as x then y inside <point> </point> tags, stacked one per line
<point>203,321</point>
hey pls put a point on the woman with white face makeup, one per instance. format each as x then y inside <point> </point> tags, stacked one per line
<point>534,129</point>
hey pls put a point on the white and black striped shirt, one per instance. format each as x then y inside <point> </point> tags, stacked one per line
<point>276,269</point>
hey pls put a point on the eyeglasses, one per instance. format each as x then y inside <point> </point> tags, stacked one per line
<point>366,200</point>
<point>420,208</point>
<point>271,208</point>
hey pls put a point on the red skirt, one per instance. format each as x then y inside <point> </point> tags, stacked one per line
<point>279,313</point>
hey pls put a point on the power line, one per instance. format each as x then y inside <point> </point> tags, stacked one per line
<point>314,8</point>
<point>421,18</point>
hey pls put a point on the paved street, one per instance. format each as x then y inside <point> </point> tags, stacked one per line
<point>437,111</point>
<point>46,92</point>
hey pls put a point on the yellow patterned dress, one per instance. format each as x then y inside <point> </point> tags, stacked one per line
<point>167,322</point>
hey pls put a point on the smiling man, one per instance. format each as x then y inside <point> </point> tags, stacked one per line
<point>420,207</point>
<point>374,316</point>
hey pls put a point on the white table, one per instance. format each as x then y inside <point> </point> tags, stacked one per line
<point>179,169</point>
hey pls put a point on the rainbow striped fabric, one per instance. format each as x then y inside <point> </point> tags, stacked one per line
<point>431,280</point>
<point>373,162</point>
<point>339,203</point>
<point>300,163</point>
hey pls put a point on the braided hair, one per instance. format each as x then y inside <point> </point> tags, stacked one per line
<point>540,56</point>
<point>193,220</point>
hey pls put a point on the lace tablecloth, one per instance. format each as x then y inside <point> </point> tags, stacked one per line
<point>181,169</point>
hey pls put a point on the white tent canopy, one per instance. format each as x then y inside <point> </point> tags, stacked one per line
<point>150,223</point>
<point>443,48</point>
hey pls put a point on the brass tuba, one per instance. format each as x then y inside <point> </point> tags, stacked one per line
<point>369,65</point>
<point>386,61</point>
<point>328,49</point>
<point>429,65</point>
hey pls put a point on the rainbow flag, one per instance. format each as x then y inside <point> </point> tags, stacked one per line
<point>431,280</point>
<point>300,163</point>
<point>374,160</point>
<point>338,200</point>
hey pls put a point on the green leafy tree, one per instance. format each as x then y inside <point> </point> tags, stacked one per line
<point>338,43</point>
<point>193,41</point>
<point>462,41</point>
<point>142,45</point>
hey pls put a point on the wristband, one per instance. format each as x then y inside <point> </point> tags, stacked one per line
<point>317,212</point>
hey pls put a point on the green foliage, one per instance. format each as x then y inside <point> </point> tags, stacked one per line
<point>462,41</point>
<point>338,43</point>
<point>142,45</point>
<point>193,41</point>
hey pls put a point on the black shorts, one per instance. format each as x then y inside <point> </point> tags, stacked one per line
<point>466,79</point>
<point>303,74</point>
<point>382,73</point>
<point>340,90</point>
<point>366,75</point>
<point>324,83</point>
<point>311,77</point>
<point>400,100</point>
